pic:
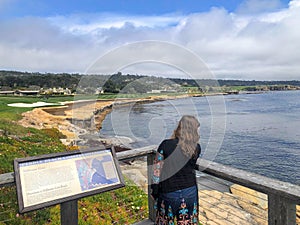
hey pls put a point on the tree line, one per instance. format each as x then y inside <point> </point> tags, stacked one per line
<point>12,80</point>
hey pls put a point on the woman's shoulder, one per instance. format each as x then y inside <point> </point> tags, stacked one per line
<point>167,143</point>
<point>170,141</point>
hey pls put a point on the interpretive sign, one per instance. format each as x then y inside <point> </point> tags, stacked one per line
<point>55,178</point>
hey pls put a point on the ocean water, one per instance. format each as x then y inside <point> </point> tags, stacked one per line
<point>255,132</point>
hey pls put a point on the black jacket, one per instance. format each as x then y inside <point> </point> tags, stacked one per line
<point>174,170</point>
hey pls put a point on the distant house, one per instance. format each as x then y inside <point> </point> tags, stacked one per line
<point>233,92</point>
<point>26,92</point>
<point>55,91</point>
<point>154,91</point>
<point>50,92</point>
<point>161,91</point>
<point>58,91</point>
<point>7,92</point>
<point>99,90</point>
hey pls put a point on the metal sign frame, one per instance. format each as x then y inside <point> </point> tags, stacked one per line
<point>52,179</point>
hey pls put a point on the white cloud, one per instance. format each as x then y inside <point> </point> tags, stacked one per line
<point>32,44</point>
<point>258,6</point>
<point>263,45</point>
<point>294,4</point>
<point>91,22</point>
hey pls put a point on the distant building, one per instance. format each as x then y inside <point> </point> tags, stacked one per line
<point>154,91</point>
<point>20,92</point>
<point>99,90</point>
<point>7,92</point>
<point>26,92</point>
<point>55,91</point>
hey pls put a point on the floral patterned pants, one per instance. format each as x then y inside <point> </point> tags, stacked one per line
<point>178,207</point>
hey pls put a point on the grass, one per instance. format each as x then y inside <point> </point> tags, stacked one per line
<point>122,206</point>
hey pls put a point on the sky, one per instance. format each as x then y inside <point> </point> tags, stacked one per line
<point>235,39</point>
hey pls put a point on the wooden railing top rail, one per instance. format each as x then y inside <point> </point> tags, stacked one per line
<point>7,179</point>
<point>251,180</point>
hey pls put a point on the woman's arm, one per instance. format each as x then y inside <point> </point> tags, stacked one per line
<point>156,172</point>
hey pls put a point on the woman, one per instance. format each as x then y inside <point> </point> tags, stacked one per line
<point>174,182</point>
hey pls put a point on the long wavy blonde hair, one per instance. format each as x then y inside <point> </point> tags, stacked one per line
<point>187,134</point>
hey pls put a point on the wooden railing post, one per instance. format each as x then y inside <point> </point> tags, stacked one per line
<point>150,160</point>
<point>69,213</point>
<point>281,211</point>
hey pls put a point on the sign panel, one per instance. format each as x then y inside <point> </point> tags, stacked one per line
<point>55,178</point>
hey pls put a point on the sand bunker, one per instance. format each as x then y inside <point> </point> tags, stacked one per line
<point>32,105</point>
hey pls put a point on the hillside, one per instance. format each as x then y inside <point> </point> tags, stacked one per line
<point>121,83</point>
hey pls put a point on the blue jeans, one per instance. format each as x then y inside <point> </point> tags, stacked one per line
<point>181,205</point>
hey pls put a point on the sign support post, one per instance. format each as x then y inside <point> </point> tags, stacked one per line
<point>69,213</point>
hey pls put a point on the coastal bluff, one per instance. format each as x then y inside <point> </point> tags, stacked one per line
<point>76,118</point>
<point>62,117</point>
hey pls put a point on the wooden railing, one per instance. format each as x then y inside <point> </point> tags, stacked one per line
<point>282,196</point>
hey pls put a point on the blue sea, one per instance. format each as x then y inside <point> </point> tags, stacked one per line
<point>255,132</point>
